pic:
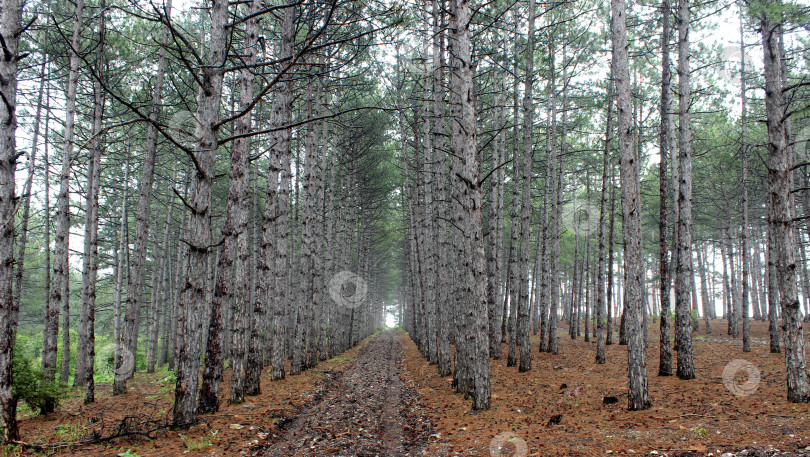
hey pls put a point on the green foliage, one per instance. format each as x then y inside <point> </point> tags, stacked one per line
<point>68,432</point>
<point>128,453</point>
<point>194,445</point>
<point>30,384</point>
<point>700,431</point>
<point>166,385</point>
<point>10,450</point>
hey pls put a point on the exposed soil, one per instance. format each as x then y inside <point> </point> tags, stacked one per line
<point>366,412</point>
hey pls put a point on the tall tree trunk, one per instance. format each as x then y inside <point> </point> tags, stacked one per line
<point>230,290</point>
<point>609,293</point>
<point>758,291</point>
<point>159,356</point>
<point>556,209</point>
<point>665,358</point>
<point>744,229</point>
<point>10,30</point>
<point>773,289</point>
<point>683,315</point>
<point>194,293</point>
<point>601,302</point>
<point>440,171</point>
<point>275,227</point>
<point>463,145</point>
<point>142,216</point>
<point>525,211</point>
<point>87,317</point>
<point>27,191</point>
<point>780,184</point>
<point>631,207</point>
<point>704,290</point>
<point>180,274</point>
<point>122,251</point>
<point>734,307</point>
<point>513,268</point>
<point>61,266</point>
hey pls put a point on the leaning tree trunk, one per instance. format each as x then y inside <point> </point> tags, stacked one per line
<point>194,292</point>
<point>10,30</point>
<point>631,207</point>
<point>780,184</point>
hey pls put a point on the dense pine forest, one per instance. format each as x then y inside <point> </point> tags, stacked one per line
<point>371,228</point>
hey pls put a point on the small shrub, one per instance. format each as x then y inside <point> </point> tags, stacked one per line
<point>30,385</point>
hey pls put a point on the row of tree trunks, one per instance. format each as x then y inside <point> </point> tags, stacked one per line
<point>142,215</point>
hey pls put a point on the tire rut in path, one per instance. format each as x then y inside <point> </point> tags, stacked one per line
<point>367,412</point>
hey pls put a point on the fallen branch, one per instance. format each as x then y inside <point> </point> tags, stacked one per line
<point>95,440</point>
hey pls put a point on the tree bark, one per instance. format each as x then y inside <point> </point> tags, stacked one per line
<point>61,267</point>
<point>683,315</point>
<point>87,317</point>
<point>781,223</point>
<point>526,202</point>
<point>10,30</point>
<point>746,324</point>
<point>275,227</point>
<point>142,216</point>
<point>122,251</point>
<point>665,357</point>
<point>195,283</point>
<point>631,207</point>
<point>601,303</point>
<point>463,145</point>
<point>159,356</point>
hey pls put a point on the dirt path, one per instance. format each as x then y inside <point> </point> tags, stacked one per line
<point>365,412</point>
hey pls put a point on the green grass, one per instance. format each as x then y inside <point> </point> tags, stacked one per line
<point>194,445</point>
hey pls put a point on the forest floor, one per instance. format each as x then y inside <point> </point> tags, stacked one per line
<point>558,408</point>
<point>383,399</point>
